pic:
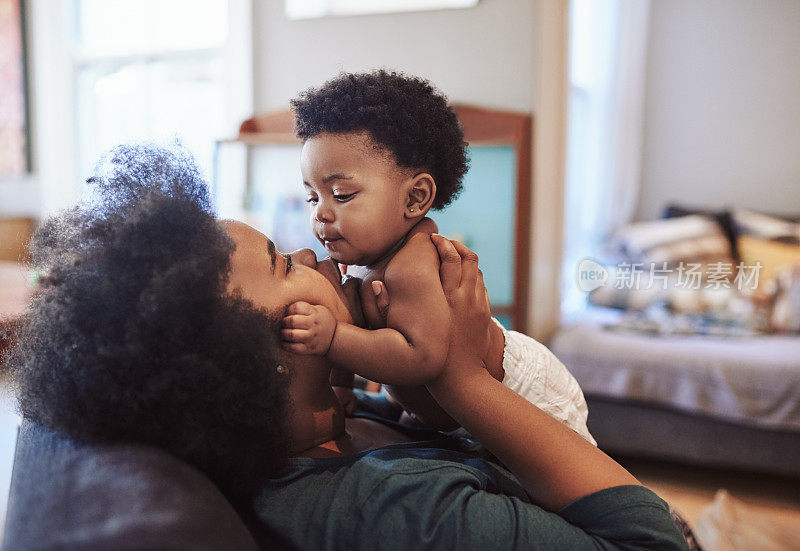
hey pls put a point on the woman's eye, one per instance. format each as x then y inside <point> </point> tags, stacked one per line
<point>343,198</point>
<point>288,262</point>
<point>312,200</point>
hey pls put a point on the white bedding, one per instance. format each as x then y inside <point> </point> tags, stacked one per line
<point>754,381</point>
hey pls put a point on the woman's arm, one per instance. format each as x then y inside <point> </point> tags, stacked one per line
<point>555,465</point>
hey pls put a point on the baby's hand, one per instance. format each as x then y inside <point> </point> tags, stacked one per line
<point>308,329</point>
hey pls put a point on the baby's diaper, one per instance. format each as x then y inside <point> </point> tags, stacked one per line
<point>533,372</point>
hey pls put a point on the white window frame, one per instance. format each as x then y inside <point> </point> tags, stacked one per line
<point>55,182</point>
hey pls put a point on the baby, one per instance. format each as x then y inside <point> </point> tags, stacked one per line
<point>380,150</point>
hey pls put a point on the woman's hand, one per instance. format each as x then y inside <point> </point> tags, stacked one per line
<point>308,329</point>
<point>468,299</point>
<point>554,464</point>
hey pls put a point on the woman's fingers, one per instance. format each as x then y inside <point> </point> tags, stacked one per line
<point>459,265</point>
<point>482,292</point>
<point>482,288</point>
<point>469,265</point>
<point>450,263</point>
<point>381,298</point>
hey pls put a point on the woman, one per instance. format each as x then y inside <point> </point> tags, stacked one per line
<point>159,324</point>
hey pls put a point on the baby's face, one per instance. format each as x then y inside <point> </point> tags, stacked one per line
<point>357,197</point>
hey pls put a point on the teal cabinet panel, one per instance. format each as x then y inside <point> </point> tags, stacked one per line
<point>483,217</point>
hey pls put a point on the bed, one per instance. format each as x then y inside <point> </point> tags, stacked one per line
<point>722,389</point>
<point>720,402</point>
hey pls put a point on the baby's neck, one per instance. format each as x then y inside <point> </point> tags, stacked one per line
<point>383,260</point>
<point>425,225</point>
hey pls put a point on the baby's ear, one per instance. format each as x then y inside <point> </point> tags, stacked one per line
<point>421,193</point>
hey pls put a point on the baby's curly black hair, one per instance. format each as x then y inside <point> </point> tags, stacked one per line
<point>406,115</point>
<point>133,335</point>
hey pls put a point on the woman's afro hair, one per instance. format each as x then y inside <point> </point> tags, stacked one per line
<point>132,335</point>
<point>406,115</point>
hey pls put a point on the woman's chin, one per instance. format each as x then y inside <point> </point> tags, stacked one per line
<point>329,269</point>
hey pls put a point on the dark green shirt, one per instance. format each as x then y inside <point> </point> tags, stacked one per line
<point>431,495</point>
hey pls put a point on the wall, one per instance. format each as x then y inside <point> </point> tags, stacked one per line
<point>722,114</point>
<point>482,55</point>
<point>490,55</point>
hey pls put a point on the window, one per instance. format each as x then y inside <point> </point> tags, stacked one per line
<point>590,72</point>
<point>607,66</point>
<point>148,69</point>
<point>307,9</point>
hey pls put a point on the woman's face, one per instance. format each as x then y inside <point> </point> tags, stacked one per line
<point>273,280</point>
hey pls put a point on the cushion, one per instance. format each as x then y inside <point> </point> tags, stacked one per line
<point>772,255</point>
<point>66,495</point>
<point>687,239</point>
<point>763,226</point>
<point>623,296</point>
<point>722,217</point>
<point>786,309</point>
<point>656,256</point>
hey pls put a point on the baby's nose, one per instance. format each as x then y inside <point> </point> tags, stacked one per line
<point>323,213</point>
<point>306,257</point>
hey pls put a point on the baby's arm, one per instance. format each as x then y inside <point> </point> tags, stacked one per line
<point>410,350</point>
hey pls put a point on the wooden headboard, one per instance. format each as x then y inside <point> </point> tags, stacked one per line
<point>482,126</point>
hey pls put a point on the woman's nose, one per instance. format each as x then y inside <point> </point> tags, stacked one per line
<point>306,257</point>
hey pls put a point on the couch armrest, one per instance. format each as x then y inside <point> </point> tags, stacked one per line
<point>66,495</point>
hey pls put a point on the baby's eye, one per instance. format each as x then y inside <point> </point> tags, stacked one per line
<point>343,198</point>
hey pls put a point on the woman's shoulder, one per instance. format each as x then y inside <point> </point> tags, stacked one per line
<point>411,492</point>
<point>446,459</point>
<point>388,494</point>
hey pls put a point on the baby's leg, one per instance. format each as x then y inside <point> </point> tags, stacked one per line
<point>533,372</point>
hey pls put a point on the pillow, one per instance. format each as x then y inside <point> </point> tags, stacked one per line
<point>763,226</point>
<point>688,239</point>
<point>772,255</point>
<point>637,298</point>
<point>786,310</point>
<point>692,243</point>
<point>722,217</point>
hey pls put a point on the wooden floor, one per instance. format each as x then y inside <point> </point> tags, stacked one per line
<point>690,489</point>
